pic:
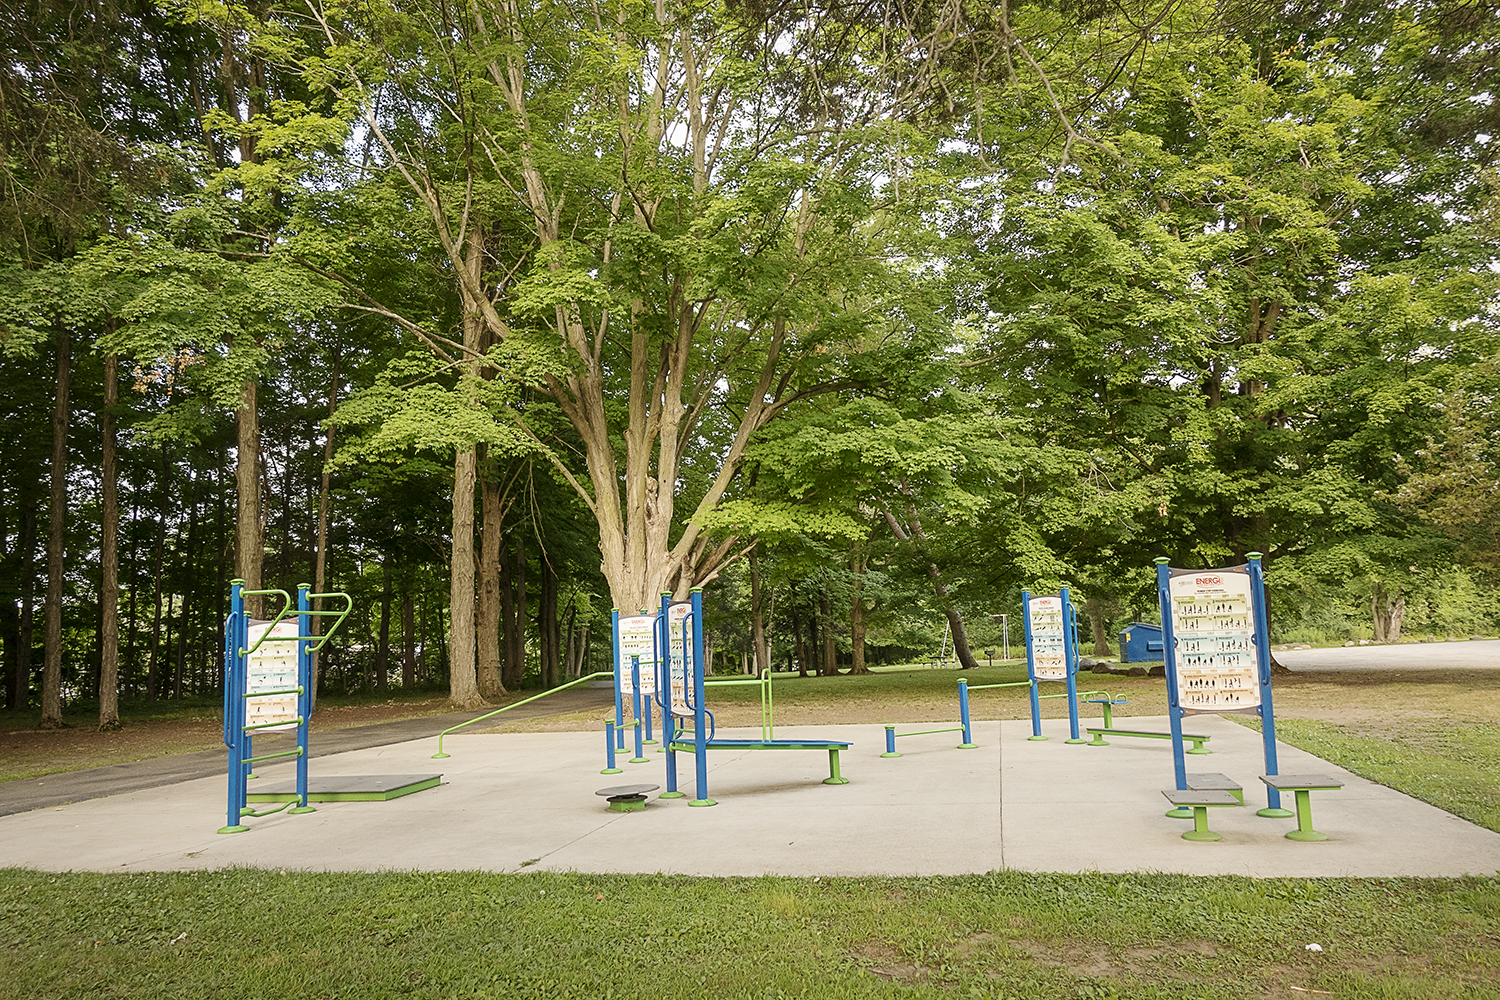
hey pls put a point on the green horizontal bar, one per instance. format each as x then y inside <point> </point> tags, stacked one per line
<point>927,732</point>
<point>1007,684</point>
<point>273,756</point>
<point>518,704</point>
<point>267,725</point>
<point>267,694</point>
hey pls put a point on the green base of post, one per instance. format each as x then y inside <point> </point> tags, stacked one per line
<point>233,829</point>
<point>1075,741</point>
<point>299,810</point>
<point>246,811</point>
<point>613,770</point>
<point>441,756</point>
<point>1270,813</point>
<point>1200,750</point>
<point>639,760</point>
<point>968,746</point>
<point>1306,835</point>
<point>702,802</point>
<point>651,743</point>
<point>1036,738</point>
<point>1203,836</point>
<point>672,795</point>
<point>627,807</point>
<point>1098,741</point>
<point>835,781</point>
<point>890,755</point>
<point>1179,812</point>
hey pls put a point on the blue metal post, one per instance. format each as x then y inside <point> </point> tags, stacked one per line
<point>1169,653</point>
<point>619,668</point>
<point>669,728</point>
<point>890,740</point>
<point>963,715</point>
<point>609,750</point>
<point>635,706</point>
<point>1267,713</point>
<point>1070,661</point>
<point>234,706</point>
<point>693,664</point>
<point>304,695</point>
<point>1036,703</point>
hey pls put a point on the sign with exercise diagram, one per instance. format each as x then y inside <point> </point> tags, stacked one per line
<point>1213,624</point>
<point>272,667</point>
<point>1048,645</point>
<point>679,652</point>
<point>637,639</point>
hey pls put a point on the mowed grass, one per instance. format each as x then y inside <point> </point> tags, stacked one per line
<point>248,933</point>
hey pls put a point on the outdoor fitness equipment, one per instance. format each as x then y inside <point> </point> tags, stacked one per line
<point>1218,659</point>
<point>680,695</point>
<point>1052,654</point>
<point>270,692</point>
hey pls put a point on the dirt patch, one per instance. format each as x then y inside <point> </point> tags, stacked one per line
<point>883,961</point>
<point>1078,960</point>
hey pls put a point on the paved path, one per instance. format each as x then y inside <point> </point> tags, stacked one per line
<point>1479,654</point>
<point>525,802</point>
<point>75,786</point>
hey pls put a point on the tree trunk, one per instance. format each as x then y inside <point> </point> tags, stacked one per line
<point>857,613</point>
<point>797,642</point>
<point>383,648</point>
<point>758,615</point>
<point>548,624</point>
<point>463,682</point>
<point>830,667</point>
<point>1095,609</point>
<point>409,639</point>
<point>1388,614</point>
<point>918,541</point>
<point>25,640</point>
<point>109,557</point>
<point>52,654</point>
<point>489,615</point>
<point>320,563</point>
<point>249,546</point>
<point>515,652</point>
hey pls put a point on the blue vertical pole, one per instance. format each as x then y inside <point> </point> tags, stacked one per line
<point>619,668</point>
<point>304,694</point>
<point>1070,661</point>
<point>1036,702</point>
<point>609,750</point>
<point>1169,653</point>
<point>963,715</point>
<point>1266,712</point>
<point>692,657</point>
<point>635,707</point>
<point>234,707</point>
<point>663,642</point>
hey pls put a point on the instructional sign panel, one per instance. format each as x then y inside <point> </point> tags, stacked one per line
<point>1048,650</point>
<point>637,639</point>
<point>679,655</point>
<point>1214,625</point>
<point>272,667</point>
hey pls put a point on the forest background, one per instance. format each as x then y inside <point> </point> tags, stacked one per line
<point>862,315</point>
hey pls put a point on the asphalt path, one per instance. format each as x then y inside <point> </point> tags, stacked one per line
<point>75,786</point>
<point>1478,654</point>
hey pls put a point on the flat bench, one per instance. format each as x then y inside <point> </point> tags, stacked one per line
<point>832,746</point>
<point>1302,786</point>
<point>1199,802</point>
<point>1208,782</point>
<point>1107,705</point>
<point>1100,732</point>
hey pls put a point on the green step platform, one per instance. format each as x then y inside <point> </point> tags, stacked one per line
<point>349,788</point>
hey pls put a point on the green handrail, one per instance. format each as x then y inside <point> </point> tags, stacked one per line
<point>518,704</point>
<point>286,604</point>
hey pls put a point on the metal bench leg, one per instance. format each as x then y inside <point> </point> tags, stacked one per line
<point>1198,747</point>
<point>1099,740</point>
<point>834,777</point>
<point>1304,829</point>
<point>1200,830</point>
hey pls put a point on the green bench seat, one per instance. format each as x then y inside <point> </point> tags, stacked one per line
<point>1199,802</point>
<point>1302,786</point>
<point>832,746</point>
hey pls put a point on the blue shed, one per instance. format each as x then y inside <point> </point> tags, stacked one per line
<point>1141,642</point>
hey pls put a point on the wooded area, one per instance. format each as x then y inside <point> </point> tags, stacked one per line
<point>862,314</point>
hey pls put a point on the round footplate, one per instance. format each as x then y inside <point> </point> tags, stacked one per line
<point>627,798</point>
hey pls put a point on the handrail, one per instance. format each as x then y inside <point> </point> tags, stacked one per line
<point>286,606</point>
<point>518,704</point>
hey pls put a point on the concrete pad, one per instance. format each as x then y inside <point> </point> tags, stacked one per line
<point>513,802</point>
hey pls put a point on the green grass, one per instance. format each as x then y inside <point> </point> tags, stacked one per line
<point>1455,767</point>
<point>248,933</point>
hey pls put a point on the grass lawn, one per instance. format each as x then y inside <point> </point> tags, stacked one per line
<point>246,933</point>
